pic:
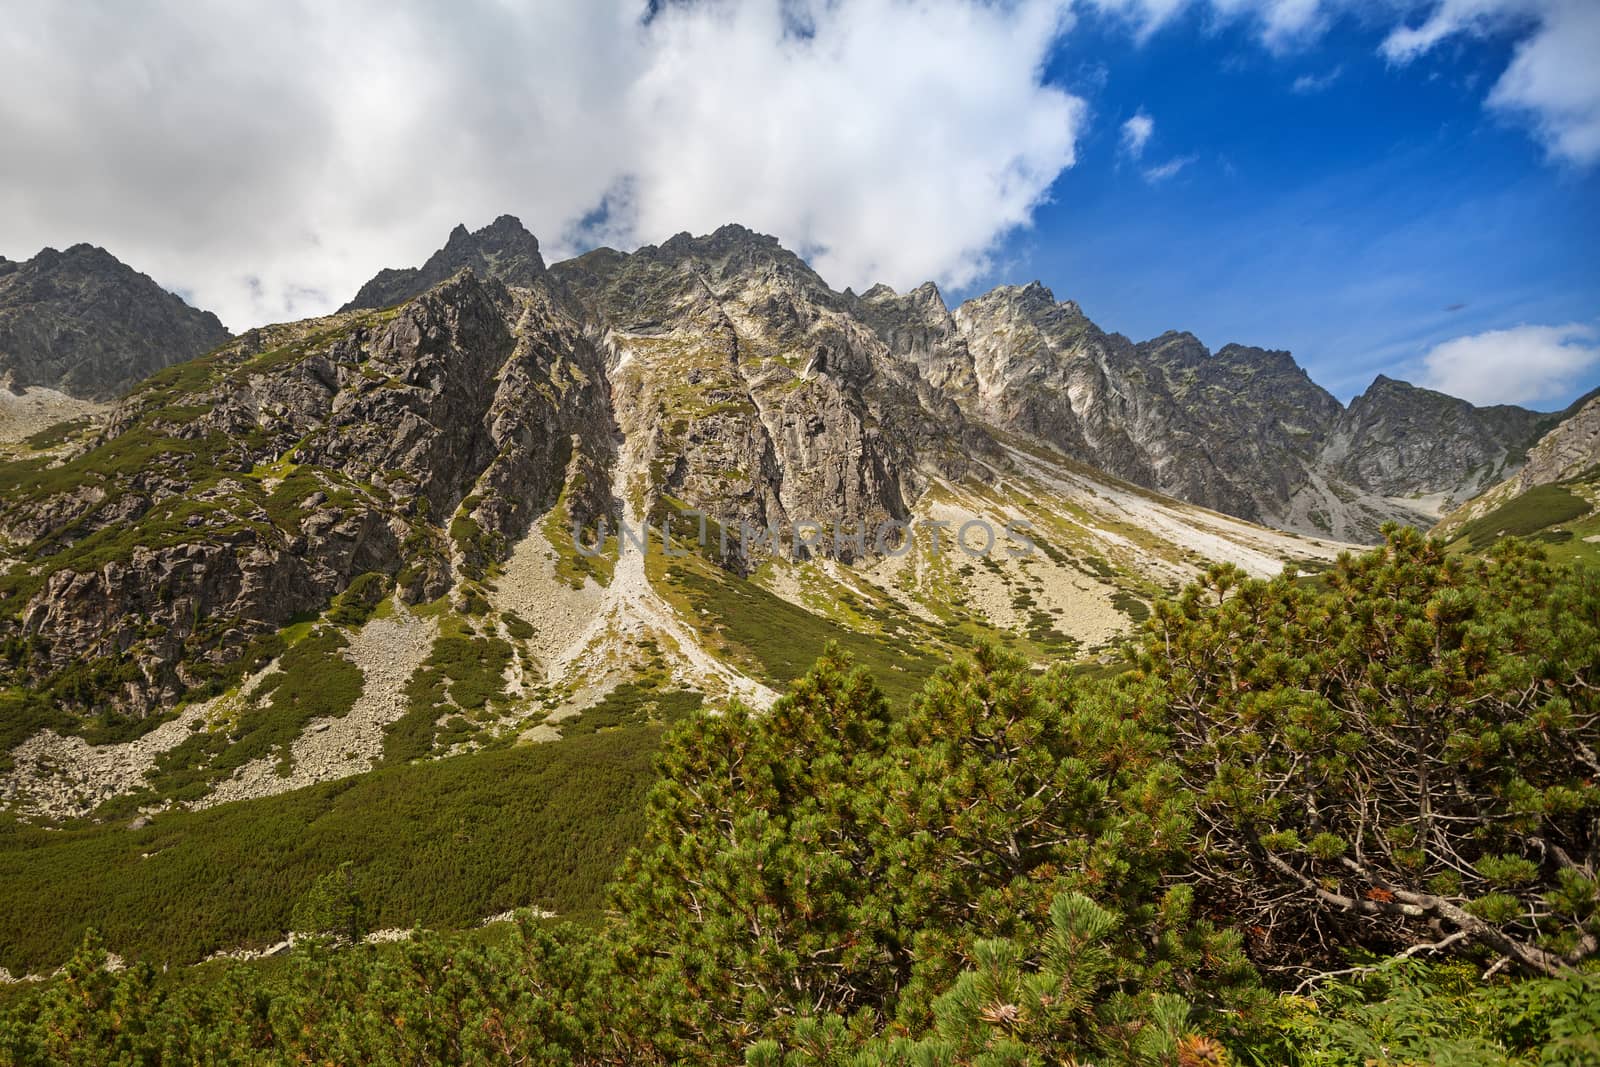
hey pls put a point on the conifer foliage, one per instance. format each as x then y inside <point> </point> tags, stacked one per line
<point>1405,759</point>
<point>1022,868</point>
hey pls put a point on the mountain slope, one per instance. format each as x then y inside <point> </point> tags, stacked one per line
<point>1396,435</point>
<point>229,494</point>
<point>1552,498</point>
<point>83,323</point>
<point>364,539</point>
<point>1244,431</point>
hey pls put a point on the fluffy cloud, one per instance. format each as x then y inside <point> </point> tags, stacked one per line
<point>265,159</point>
<point>1136,134</point>
<point>1524,365</point>
<point>1553,81</point>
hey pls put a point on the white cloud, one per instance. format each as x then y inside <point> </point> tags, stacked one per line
<point>1521,365</point>
<point>269,158</point>
<point>1448,17</point>
<point>1280,24</point>
<point>1553,80</point>
<point>1307,84</point>
<point>1136,134</point>
<point>1161,172</point>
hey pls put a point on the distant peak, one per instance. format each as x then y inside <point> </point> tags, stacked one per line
<point>504,250</point>
<point>1385,384</point>
<point>1234,350</point>
<point>880,291</point>
<point>1179,344</point>
<point>507,222</point>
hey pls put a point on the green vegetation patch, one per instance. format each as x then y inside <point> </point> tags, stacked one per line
<point>361,597</point>
<point>631,704</point>
<point>1531,514</point>
<point>784,640</point>
<point>573,566</point>
<point>23,714</point>
<point>59,434</point>
<point>441,843</point>
<point>464,673</point>
<point>312,681</point>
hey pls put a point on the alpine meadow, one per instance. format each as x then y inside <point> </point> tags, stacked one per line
<point>751,622</point>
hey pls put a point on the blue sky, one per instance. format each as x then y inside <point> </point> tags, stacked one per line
<point>1401,186</point>
<point>1357,220</point>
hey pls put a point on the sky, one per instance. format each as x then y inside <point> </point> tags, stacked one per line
<point>1407,187</point>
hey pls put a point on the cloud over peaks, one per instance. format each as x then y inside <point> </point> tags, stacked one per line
<point>269,158</point>
<point>1529,365</point>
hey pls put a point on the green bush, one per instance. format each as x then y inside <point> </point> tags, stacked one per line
<point>1425,723</point>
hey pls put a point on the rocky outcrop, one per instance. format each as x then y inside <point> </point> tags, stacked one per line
<point>1568,454</point>
<point>1570,449</point>
<point>1399,440</point>
<point>919,328</point>
<point>757,394</point>
<point>1244,431</point>
<point>218,504</point>
<point>1229,431</point>
<point>83,323</point>
<point>502,250</point>
<point>419,433</point>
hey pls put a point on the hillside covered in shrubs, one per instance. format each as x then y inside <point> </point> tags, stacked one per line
<point>1348,819</point>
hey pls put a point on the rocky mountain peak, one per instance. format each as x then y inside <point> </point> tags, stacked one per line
<point>503,250</point>
<point>1273,361</point>
<point>1178,346</point>
<point>927,295</point>
<point>1396,434</point>
<point>85,323</point>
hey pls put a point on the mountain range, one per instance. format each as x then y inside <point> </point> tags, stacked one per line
<point>1244,430</point>
<point>327,545</point>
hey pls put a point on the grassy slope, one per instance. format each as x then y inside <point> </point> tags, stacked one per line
<point>1561,516</point>
<point>779,641</point>
<point>439,843</point>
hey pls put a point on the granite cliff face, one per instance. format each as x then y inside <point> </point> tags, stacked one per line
<point>1244,430</point>
<point>1569,449</point>
<point>1565,463</point>
<point>433,449</point>
<point>1232,431</point>
<point>83,323</point>
<point>752,392</point>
